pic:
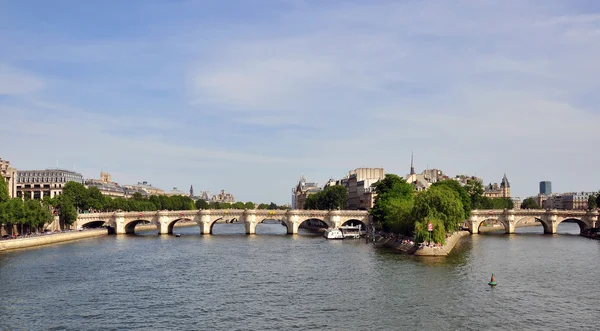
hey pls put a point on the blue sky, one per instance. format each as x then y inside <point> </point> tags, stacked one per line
<point>248,96</point>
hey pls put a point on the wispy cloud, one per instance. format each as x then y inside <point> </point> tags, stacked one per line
<point>249,98</point>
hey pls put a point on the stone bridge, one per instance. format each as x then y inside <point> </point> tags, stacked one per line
<point>549,219</point>
<point>125,222</point>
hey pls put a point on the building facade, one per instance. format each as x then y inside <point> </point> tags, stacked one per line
<point>360,186</point>
<point>10,176</point>
<point>546,188</point>
<point>301,192</point>
<point>145,187</point>
<point>498,191</point>
<point>106,186</point>
<point>223,197</point>
<point>568,201</point>
<point>36,184</point>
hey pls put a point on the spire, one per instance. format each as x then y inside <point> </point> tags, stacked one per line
<point>191,191</point>
<point>412,163</point>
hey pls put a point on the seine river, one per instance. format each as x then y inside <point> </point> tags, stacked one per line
<point>271,281</point>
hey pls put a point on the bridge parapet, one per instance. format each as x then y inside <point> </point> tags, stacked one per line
<point>124,222</point>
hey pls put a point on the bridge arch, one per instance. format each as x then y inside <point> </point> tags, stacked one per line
<point>130,225</point>
<point>91,223</point>
<point>486,219</point>
<point>355,222</point>
<point>172,223</point>
<point>547,227</point>
<point>274,220</point>
<point>583,226</point>
<point>314,222</point>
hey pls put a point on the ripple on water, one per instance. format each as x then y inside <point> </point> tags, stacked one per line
<point>278,282</point>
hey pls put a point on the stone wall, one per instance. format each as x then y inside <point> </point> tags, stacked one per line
<point>50,239</point>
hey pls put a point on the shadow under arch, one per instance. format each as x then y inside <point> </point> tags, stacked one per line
<point>270,220</point>
<point>491,221</point>
<point>173,222</point>
<point>582,225</point>
<point>355,222</point>
<point>93,224</point>
<point>536,221</point>
<point>130,226</point>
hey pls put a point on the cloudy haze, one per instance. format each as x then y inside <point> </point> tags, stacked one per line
<point>248,96</point>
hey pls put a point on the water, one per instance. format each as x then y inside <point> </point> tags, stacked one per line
<point>271,281</point>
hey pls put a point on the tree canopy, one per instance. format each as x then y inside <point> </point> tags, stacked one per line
<point>530,203</point>
<point>332,197</point>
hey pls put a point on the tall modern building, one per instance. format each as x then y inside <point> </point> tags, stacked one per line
<point>546,187</point>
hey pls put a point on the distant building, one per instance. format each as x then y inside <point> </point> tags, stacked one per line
<point>498,191</point>
<point>568,201</point>
<point>301,192</point>
<point>546,188</point>
<point>106,186</point>
<point>175,192</point>
<point>145,187</point>
<point>223,197</point>
<point>36,184</point>
<point>423,180</point>
<point>10,176</point>
<point>360,186</point>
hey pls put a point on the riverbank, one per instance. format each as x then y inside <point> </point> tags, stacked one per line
<point>441,250</point>
<point>48,239</point>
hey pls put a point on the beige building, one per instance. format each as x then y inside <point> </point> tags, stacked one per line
<point>498,191</point>
<point>106,186</point>
<point>568,201</point>
<point>360,186</point>
<point>223,197</point>
<point>175,191</point>
<point>301,192</point>
<point>144,187</point>
<point>36,184</point>
<point>10,176</point>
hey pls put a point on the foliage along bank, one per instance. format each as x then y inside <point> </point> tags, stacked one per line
<point>446,204</point>
<point>26,215</point>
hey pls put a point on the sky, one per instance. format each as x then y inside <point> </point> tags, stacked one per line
<point>248,96</point>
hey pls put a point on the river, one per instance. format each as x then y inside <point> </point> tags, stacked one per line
<point>272,281</point>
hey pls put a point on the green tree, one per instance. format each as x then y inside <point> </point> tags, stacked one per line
<point>3,190</point>
<point>422,233</point>
<point>475,190</point>
<point>272,205</point>
<point>77,194</point>
<point>332,197</point>
<point>263,206</point>
<point>462,192</point>
<point>68,213</point>
<point>201,204</point>
<point>238,205</point>
<point>598,199</point>
<point>592,202</point>
<point>95,198</point>
<point>393,192</point>
<point>530,203</point>
<point>249,205</point>
<point>439,203</point>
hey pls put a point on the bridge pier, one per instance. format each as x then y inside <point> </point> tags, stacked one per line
<point>163,223</point>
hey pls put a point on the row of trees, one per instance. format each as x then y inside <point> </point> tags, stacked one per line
<point>77,198</point>
<point>446,204</point>
<point>27,215</point>
<point>332,197</point>
<point>202,204</point>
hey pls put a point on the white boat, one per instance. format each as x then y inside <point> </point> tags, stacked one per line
<point>351,231</point>
<point>333,233</point>
<point>342,232</point>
